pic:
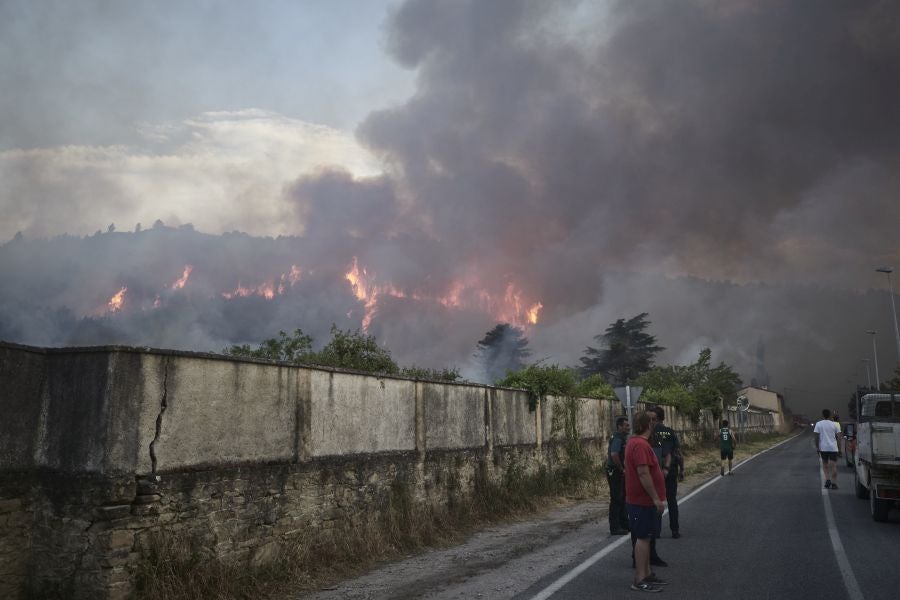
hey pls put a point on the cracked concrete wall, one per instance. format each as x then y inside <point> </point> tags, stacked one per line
<point>219,412</point>
<point>136,411</point>
<point>72,410</point>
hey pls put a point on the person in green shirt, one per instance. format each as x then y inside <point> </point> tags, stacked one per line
<point>726,446</point>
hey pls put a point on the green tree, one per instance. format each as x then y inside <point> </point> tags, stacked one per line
<point>541,381</point>
<point>712,385</point>
<point>296,349</point>
<point>892,384</point>
<point>626,350</point>
<point>355,350</point>
<point>346,350</point>
<point>692,387</point>
<point>502,350</point>
<point>594,386</point>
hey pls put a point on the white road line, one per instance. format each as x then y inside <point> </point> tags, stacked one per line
<point>850,583</point>
<point>554,587</point>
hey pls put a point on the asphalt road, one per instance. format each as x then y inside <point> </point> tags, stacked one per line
<point>770,531</point>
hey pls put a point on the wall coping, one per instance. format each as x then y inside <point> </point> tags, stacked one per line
<point>223,357</point>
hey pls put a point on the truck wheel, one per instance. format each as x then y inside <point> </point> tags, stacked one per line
<point>861,491</point>
<point>879,508</point>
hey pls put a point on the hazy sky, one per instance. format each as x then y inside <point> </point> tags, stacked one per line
<point>127,112</point>
<point>478,160</point>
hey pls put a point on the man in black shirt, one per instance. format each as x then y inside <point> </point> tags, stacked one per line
<point>667,447</point>
<point>615,476</point>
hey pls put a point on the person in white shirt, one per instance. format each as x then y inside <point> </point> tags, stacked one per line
<point>827,434</point>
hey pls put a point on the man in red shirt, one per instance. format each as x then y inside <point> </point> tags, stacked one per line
<point>645,499</point>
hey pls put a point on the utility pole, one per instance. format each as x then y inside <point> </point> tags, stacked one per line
<point>875,353</point>
<point>888,271</point>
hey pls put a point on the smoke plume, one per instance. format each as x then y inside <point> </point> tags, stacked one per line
<point>729,168</point>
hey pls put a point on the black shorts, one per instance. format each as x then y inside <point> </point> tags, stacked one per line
<point>729,454</point>
<point>826,456</point>
<point>644,521</point>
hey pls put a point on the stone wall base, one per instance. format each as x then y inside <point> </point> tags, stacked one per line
<point>85,537</point>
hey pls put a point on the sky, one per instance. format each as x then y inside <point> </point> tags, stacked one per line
<point>426,169</point>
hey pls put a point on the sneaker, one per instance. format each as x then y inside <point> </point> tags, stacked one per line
<point>827,484</point>
<point>644,587</point>
<point>731,472</point>
<point>675,535</point>
<point>652,579</point>
<point>722,472</point>
<point>834,486</point>
<point>658,562</point>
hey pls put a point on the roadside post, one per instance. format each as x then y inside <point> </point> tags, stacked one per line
<point>628,396</point>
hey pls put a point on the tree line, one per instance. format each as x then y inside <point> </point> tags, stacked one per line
<point>625,353</point>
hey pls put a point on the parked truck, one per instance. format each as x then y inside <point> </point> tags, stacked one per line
<point>878,451</point>
<point>848,431</point>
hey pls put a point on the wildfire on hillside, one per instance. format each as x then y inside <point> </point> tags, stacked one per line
<point>509,307</point>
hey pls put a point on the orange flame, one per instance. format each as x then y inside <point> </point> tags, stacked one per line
<point>533,313</point>
<point>268,289</point>
<point>182,281</point>
<point>364,292</point>
<point>115,303</point>
<point>511,308</point>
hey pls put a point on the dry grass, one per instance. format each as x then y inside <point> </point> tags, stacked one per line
<point>171,570</point>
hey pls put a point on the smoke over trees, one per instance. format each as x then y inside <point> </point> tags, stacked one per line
<point>502,350</point>
<point>729,168</point>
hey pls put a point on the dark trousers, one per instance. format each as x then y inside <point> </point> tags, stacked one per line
<point>671,498</point>
<point>618,516</point>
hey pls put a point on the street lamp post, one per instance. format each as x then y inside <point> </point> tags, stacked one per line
<point>875,354</point>
<point>868,374</point>
<point>887,271</point>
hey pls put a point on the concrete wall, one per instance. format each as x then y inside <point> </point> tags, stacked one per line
<point>22,375</point>
<point>455,416</point>
<point>101,448</point>
<point>356,414</point>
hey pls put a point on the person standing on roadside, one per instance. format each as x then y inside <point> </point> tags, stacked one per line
<point>645,500</point>
<point>726,446</point>
<point>827,440</point>
<point>668,447</point>
<point>615,476</point>
<point>837,421</point>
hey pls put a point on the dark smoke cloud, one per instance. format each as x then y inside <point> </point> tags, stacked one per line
<point>736,141</point>
<point>728,167</point>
